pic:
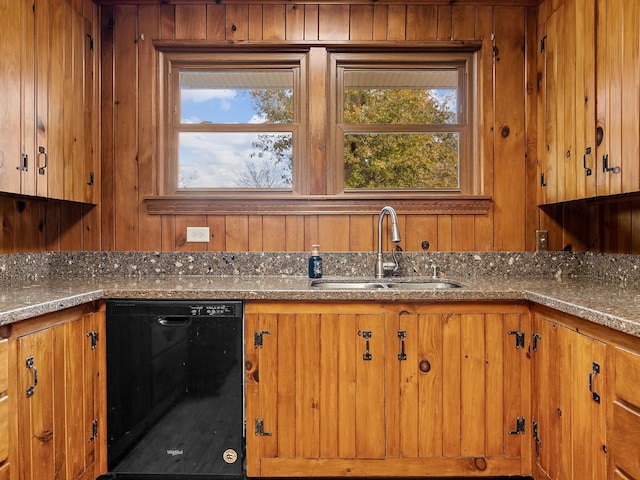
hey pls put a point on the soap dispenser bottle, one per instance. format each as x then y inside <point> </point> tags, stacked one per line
<point>315,263</point>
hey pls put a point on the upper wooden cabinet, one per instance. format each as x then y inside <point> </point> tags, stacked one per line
<point>386,389</point>
<point>48,134</point>
<point>589,143</point>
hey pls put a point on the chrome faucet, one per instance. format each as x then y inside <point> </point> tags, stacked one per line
<point>384,268</point>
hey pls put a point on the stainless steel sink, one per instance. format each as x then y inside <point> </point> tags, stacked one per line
<point>390,285</point>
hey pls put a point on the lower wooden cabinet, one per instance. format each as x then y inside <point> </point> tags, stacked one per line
<point>56,363</point>
<point>369,389</point>
<point>625,435</point>
<point>570,402</point>
<point>4,409</point>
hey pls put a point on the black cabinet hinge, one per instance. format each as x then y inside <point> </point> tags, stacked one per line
<point>534,341</point>
<point>259,428</point>
<point>92,179</point>
<point>519,338</point>
<point>258,337</point>
<point>94,430</point>
<point>543,183</point>
<point>520,423</point>
<point>94,339</point>
<point>90,42</point>
<point>543,44</point>
<point>536,437</point>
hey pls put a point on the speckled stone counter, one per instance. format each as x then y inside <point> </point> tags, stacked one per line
<point>612,303</point>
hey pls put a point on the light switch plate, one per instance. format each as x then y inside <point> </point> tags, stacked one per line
<point>198,234</point>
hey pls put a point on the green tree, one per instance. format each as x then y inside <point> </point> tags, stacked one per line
<point>405,160</point>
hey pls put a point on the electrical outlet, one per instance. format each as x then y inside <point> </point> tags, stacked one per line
<point>542,240</point>
<point>198,234</point>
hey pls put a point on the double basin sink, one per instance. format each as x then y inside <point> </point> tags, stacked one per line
<point>390,284</point>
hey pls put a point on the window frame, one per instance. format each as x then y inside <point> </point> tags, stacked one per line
<point>464,62</point>
<point>314,188</point>
<point>173,64</point>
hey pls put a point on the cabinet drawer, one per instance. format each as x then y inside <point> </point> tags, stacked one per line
<point>625,445</point>
<point>4,428</point>
<point>628,376</point>
<point>4,368</point>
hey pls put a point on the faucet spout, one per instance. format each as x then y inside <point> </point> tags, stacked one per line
<point>383,267</point>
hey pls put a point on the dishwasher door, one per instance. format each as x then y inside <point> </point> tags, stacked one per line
<point>175,394</point>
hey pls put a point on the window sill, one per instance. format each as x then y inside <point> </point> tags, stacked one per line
<point>315,204</point>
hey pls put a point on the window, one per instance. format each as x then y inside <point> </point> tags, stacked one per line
<point>402,122</point>
<point>234,124</point>
<point>261,130</point>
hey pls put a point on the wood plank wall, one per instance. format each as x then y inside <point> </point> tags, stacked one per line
<point>130,87</point>
<point>507,133</point>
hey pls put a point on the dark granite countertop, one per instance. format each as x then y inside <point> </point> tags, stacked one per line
<point>615,304</point>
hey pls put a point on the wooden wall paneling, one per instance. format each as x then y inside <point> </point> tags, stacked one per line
<point>509,121</point>
<point>396,22</point>
<point>256,25</point>
<point>422,22</point>
<point>274,233</point>
<point>333,22</point>
<point>295,234</point>
<point>363,230</point>
<point>149,26</point>
<point>168,233</point>
<point>168,22</point>
<point>237,233</point>
<point>532,53</point>
<point>256,233</point>
<point>635,229</point>
<point>463,22</point>
<point>380,22</point>
<point>311,19</point>
<point>237,22</point>
<point>191,22</point>
<point>421,228</point>
<point>575,228</point>
<point>333,233</point>
<point>444,233</point>
<point>91,228</point>
<point>446,22</point>
<point>107,128</point>
<point>71,234</point>
<point>184,221</point>
<point>274,22</point>
<point>216,22</point>
<point>25,224</point>
<point>630,159</point>
<point>485,115</point>
<point>52,226</point>
<point>462,233</point>
<point>361,22</point>
<point>317,122</point>
<point>294,22</point>
<point>125,126</point>
<point>311,232</point>
<point>217,240</point>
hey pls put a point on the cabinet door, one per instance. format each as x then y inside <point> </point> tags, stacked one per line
<point>618,71</point>
<point>11,39</point>
<point>455,382</point>
<point>58,404</point>
<point>569,402</point>
<point>568,150</point>
<point>315,390</point>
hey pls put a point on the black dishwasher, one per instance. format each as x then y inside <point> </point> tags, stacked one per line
<point>175,405</point>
